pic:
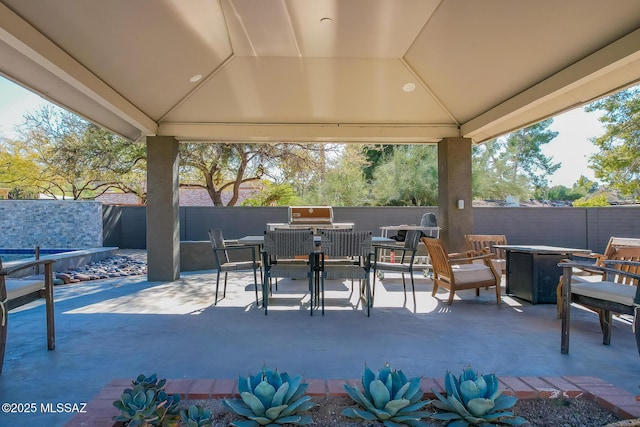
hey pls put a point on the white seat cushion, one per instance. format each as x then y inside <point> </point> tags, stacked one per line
<point>20,287</point>
<point>468,273</point>
<point>610,291</point>
<point>499,264</point>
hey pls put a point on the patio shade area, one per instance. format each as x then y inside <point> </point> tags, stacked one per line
<point>119,328</point>
<point>320,70</point>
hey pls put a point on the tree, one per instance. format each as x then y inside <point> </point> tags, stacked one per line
<point>618,160</point>
<point>408,176</point>
<point>514,165</point>
<point>75,158</point>
<point>222,167</point>
<point>14,172</point>
<point>343,182</point>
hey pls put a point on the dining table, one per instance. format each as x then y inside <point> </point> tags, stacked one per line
<point>257,240</point>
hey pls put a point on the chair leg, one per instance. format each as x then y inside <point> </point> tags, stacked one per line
<point>452,293</point>
<point>215,301</point>
<point>404,287</point>
<point>636,329</point>
<point>413,289</point>
<point>374,283</point>
<point>498,299</point>
<point>605,324</point>
<point>265,292</point>
<point>559,298</point>
<point>255,283</point>
<point>4,320</point>
<point>224,290</point>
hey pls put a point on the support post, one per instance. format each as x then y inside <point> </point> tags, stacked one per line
<point>454,192</point>
<point>163,210</point>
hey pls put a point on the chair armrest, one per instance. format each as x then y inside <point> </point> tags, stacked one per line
<point>465,254</point>
<point>30,264</point>
<point>604,269</point>
<point>472,258</point>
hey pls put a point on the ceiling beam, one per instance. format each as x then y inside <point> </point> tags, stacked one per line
<point>259,132</point>
<point>42,52</point>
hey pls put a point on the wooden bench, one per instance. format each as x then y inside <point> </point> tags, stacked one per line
<point>11,290</point>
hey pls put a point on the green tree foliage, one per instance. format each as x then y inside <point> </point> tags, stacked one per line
<point>224,167</point>
<point>272,194</point>
<point>75,158</point>
<point>16,172</point>
<point>407,176</point>
<point>598,200</point>
<point>375,155</point>
<point>343,181</point>
<point>618,160</point>
<point>514,165</point>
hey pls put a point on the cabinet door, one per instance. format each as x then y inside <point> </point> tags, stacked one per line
<point>546,275</point>
<point>520,275</point>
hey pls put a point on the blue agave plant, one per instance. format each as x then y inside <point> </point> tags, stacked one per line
<point>388,397</point>
<point>196,416</point>
<point>271,398</point>
<point>147,404</point>
<point>476,400</point>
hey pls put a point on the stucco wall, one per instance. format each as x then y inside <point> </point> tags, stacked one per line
<point>588,228</point>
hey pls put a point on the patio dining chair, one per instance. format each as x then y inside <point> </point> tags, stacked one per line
<point>607,295</point>
<point>226,264</point>
<point>346,255</point>
<point>286,254</point>
<point>485,243</point>
<point>404,258</point>
<point>618,248</point>
<point>457,272</point>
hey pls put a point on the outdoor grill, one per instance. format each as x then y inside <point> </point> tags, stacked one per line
<point>313,217</point>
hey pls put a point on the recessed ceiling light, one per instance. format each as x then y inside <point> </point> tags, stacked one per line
<point>409,87</point>
<point>326,20</point>
<point>195,78</point>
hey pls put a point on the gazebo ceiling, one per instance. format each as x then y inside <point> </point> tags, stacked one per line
<point>320,70</point>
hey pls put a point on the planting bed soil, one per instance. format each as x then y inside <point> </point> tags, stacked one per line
<point>538,412</point>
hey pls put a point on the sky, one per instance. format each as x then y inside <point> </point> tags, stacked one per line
<point>571,147</point>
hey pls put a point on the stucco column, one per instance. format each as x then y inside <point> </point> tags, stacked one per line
<point>454,185</point>
<point>163,210</point>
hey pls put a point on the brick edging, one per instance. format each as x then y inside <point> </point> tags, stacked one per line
<point>100,411</point>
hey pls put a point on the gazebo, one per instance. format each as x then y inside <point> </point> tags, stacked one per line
<point>447,72</point>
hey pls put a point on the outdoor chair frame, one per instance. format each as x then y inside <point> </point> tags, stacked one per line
<point>225,265</point>
<point>608,296</point>
<point>287,254</point>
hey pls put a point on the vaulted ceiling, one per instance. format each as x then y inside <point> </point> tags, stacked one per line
<point>320,70</point>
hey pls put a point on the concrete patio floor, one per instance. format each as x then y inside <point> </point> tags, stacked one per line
<point>119,328</point>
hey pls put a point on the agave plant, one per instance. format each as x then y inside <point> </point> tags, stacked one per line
<point>147,404</point>
<point>388,397</point>
<point>476,400</point>
<point>271,398</point>
<point>196,416</point>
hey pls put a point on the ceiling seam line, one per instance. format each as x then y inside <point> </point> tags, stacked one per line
<point>196,88</point>
<point>293,34</point>
<point>429,91</point>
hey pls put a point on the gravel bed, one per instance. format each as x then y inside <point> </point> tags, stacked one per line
<point>538,413</point>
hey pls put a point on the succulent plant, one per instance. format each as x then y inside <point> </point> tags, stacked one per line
<point>196,416</point>
<point>388,397</point>
<point>147,404</point>
<point>474,399</point>
<point>271,398</point>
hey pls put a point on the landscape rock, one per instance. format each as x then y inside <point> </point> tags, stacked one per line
<point>116,266</point>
